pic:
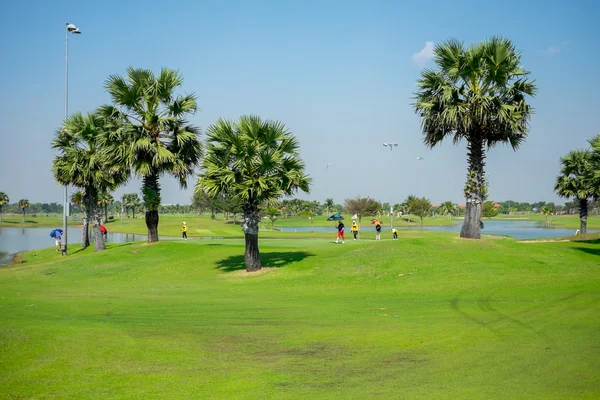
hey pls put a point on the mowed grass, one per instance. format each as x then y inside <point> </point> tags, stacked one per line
<point>428,316</point>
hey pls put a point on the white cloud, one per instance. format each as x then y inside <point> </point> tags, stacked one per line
<point>425,55</point>
<point>555,49</point>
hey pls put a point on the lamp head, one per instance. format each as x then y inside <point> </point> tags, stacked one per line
<point>73,29</point>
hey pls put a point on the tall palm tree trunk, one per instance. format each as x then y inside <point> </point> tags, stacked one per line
<point>151,190</point>
<point>23,215</point>
<point>475,188</point>
<point>583,214</point>
<point>105,213</point>
<point>85,232</point>
<point>252,255</point>
<point>88,206</point>
<point>99,244</point>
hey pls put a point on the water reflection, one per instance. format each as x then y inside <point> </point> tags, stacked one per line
<point>14,240</point>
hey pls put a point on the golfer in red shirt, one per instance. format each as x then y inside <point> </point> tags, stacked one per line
<point>340,234</point>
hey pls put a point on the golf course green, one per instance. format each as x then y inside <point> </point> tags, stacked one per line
<point>428,316</point>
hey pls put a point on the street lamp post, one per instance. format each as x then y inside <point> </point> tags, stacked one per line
<point>391,145</point>
<point>70,28</point>
<point>327,183</point>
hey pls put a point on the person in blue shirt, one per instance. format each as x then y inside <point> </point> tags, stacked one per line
<point>58,237</point>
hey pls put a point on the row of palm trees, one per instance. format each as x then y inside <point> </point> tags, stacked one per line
<point>23,204</point>
<point>144,133</point>
<point>477,94</point>
<point>579,178</point>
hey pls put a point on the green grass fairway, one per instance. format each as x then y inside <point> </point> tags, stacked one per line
<point>430,316</point>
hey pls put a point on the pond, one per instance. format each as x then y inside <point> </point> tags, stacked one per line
<point>515,229</point>
<point>14,240</point>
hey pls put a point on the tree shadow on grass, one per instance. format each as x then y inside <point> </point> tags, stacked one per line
<point>588,241</point>
<point>268,260</point>
<point>588,250</point>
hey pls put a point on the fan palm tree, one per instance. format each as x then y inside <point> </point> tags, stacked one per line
<point>78,199</point>
<point>595,148</point>
<point>576,181</point>
<point>150,132</point>
<point>85,162</point>
<point>476,94</point>
<point>256,162</point>
<point>3,200</point>
<point>330,204</point>
<point>105,199</point>
<point>547,211</point>
<point>131,201</point>
<point>447,208</point>
<point>23,204</point>
<point>405,206</point>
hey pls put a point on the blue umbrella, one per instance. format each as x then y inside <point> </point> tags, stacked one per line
<point>53,233</point>
<point>335,217</point>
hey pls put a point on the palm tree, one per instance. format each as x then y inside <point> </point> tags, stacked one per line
<point>576,181</point>
<point>330,204</point>
<point>85,161</point>
<point>78,199</point>
<point>3,200</point>
<point>255,161</point>
<point>105,199</point>
<point>131,201</point>
<point>477,94</point>
<point>595,148</point>
<point>23,204</point>
<point>547,211</point>
<point>406,205</point>
<point>447,208</point>
<point>151,133</point>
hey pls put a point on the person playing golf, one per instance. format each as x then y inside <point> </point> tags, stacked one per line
<point>395,232</point>
<point>184,231</point>
<point>378,231</point>
<point>354,229</point>
<point>340,234</point>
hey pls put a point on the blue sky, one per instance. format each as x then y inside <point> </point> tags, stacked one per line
<point>340,75</point>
